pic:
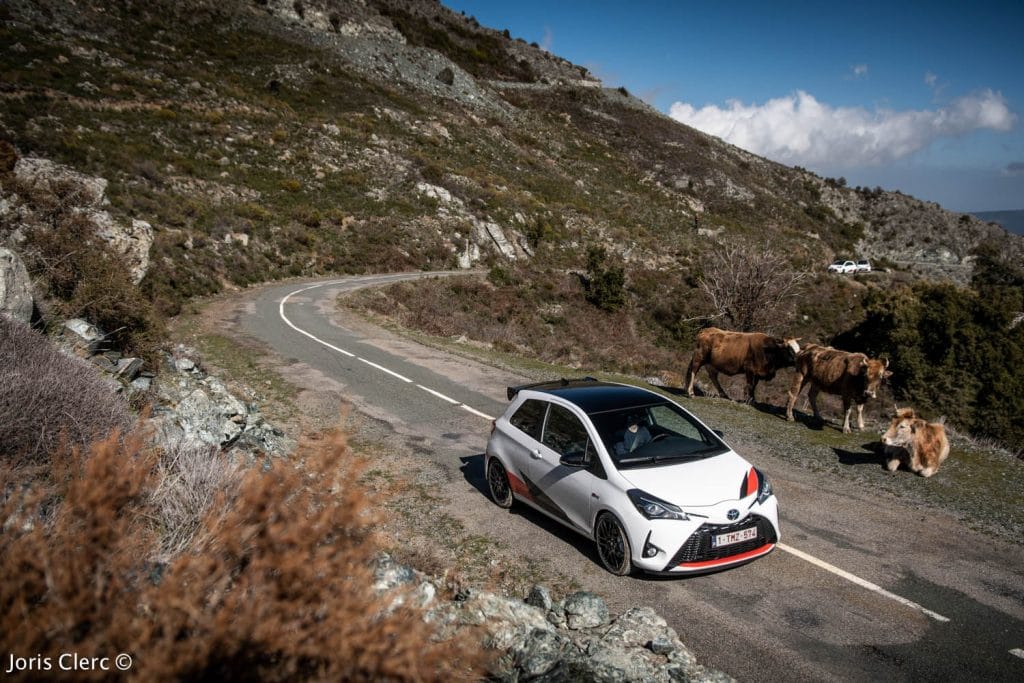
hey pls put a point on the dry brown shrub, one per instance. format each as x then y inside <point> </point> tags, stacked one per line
<point>8,157</point>
<point>68,575</point>
<point>46,395</point>
<point>275,587</point>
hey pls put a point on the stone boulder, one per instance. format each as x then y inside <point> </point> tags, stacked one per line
<point>16,299</point>
<point>131,241</point>
<point>85,339</point>
<point>585,610</point>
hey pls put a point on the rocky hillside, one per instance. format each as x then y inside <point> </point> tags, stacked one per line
<point>270,138</point>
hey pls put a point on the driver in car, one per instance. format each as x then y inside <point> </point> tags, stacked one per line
<point>635,436</point>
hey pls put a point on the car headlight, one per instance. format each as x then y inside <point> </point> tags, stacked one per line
<point>652,507</point>
<point>764,487</point>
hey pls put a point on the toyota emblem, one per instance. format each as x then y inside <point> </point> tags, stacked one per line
<point>733,514</point>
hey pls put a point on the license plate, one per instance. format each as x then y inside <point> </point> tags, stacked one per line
<point>733,537</point>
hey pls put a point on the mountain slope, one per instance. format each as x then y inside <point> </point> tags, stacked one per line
<point>321,131</point>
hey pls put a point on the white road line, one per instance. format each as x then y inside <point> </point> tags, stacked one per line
<point>384,369</point>
<point>476,412</point>
<point>438,394</point>
<point>860,582</point>
<point>280,310</point>
<point>1017,652</point>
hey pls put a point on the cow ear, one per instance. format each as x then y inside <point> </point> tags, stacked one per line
<point>887,374</point>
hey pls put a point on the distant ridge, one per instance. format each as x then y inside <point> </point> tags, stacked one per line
<point>1013,221</point>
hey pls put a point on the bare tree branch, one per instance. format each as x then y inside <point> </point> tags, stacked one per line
<point>751,287</point>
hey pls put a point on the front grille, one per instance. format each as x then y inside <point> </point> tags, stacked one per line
<point>698,546</point>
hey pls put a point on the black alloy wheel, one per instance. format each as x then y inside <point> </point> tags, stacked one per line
<point>612,545</point>
<point>497,482</point>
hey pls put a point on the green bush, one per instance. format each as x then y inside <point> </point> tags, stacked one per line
<point>954,352</point>
<point>500,276</point>
<point>605,285</point>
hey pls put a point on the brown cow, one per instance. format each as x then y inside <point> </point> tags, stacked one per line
<point>853,376</point>
<point>755,354</point>
<point>921,445</point>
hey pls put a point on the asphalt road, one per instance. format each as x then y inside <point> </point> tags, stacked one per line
<point>863,588</point>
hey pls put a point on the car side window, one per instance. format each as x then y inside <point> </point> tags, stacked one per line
<point>564,433</point>
<point>529,417</point>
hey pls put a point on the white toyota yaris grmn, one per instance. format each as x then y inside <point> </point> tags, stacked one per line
<point>652,485</point>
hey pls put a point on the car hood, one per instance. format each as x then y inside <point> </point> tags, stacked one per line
<point>694,483</point>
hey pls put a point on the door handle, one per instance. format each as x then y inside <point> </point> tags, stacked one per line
<point>535,454</point>
<point>595,496</point>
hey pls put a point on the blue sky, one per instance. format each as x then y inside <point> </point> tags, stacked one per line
<point>922,97</point>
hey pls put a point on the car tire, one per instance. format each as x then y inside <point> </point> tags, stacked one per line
<point>613,545</point>
<point>498,484</point>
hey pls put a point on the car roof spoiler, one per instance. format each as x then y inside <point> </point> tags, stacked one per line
<point>511,392</point>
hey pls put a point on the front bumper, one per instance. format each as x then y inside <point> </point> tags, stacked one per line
<point>690,551</point>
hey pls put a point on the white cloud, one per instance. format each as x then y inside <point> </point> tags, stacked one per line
<point>859,70</point>
<point>799,129</point>
<point>930,79</point>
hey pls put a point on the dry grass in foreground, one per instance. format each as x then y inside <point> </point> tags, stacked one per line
<point>275,584</point>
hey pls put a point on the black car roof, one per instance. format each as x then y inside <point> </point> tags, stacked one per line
<point>594,396</point>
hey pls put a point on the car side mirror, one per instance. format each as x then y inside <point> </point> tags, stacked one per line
<point>719,433</point>
<point>573,460</point>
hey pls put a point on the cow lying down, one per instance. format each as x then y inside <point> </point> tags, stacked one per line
<point>920,445</point>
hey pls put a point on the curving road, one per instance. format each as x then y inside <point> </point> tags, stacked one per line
<point>862,588</point>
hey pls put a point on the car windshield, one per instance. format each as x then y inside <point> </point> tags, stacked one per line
<point>835,263</point>
<point>653,435</point>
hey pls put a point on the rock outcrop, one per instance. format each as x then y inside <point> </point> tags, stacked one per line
<point>16,299</point>
<point>193,406</point>
<point>86,196</point>
<point>540,639</point>
<point>189,406</point>
<point>485,235</point>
